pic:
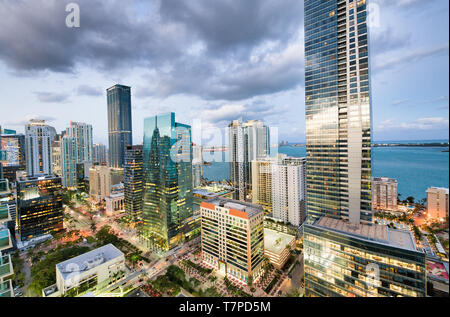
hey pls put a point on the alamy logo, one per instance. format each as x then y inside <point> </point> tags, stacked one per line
<point>373,275</point>
<point>73,18</point>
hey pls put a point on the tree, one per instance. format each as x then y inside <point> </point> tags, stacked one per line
<point>410,200</point>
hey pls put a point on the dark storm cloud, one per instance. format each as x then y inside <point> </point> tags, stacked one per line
<point>197,47</point>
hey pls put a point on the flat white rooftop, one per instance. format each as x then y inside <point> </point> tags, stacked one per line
<point>250,209</point>
<point>88,261</point>
<point>275,241</point>
<point>378,233</point>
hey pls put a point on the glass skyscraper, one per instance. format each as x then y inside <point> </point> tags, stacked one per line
<point>338,110</point>
<point>345,254</point>
<point>133,181</point>
<point>167,196</point>
<point>119,123</point>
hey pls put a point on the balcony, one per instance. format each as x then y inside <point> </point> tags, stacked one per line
<point>6,268</point>
<point>6,289</point>
<point>5,241</point>
<point>4,214</point>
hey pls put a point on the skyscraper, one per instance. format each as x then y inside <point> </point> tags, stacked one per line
<point>69,152</point>
<point>248,141</point>
<point>82,132</point>
<point>167,196</point>
<point>133,181</point>
<point>338,123</point>
<point>119,123</point>
<point>384,193</point>
<point>38,153</point>
<point>345,254</point>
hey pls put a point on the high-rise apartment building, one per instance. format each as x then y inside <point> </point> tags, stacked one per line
<point>38,152</point>
<point>338,112</point>
<point>262,183</point>
<point>289,190</point>
<point>57,156</point>
<point>197,165</point>
<point>384,193</point>
<point>39,206</point>
<point>6,267</point>
<point>69,152</point>
<point>82,133</point>
<point>233,238</point>
<point>101,180</point>
<point>119,123</point>
<point>437,203</point>
<point>133,181</point>
<point>13,146</point>
<point>99,154</point>
<point>345,254</point>
<point>167,196</point>
<point>248,141</point>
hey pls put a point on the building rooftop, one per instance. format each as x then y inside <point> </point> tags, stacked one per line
<point>275,241</point>
<point>248,208</point>
<point>378,233</point>
<point>88,261</point>
<point>436,189</point>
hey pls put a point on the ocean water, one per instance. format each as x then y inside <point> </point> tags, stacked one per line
<point>415,168</point>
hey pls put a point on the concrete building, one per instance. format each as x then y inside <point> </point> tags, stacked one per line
<point>262,183</point>
<point>384,193</point>
<point>38,153</point>
<point>91,271</point>
<point>197,165</point>
<point>101,179</point>
<point>233,238</point>
<point>57,157</point>
<point>82,132</point>
<point>115,204</point>
<point>437,203</point>
<point>289,190</point>
<point>277,247</point>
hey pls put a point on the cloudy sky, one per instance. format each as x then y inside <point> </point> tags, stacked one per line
<point>213,61</point>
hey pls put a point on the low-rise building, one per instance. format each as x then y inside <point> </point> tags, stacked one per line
<point>277,247</point>
<point>91,271</point>
<point>115,204</point>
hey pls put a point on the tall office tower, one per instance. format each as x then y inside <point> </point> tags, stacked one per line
<point>167,196</point>
<point>437,203</point>
<point>289,190</point>
<point>338,110</point>
<point>69,152</point>
<point>6,268</point>
<point>13,146</point>
<point>384,193</point>
<point>82,132</point>
<point>99,154</point>
<point>39,206</point>
<point>248,141</point>
<point>119,123</point>
<point>133,181</point>
<point>83,176</point>
<point>38,152</point>
<point>57,156</point>
<point>233,238</point>
<point>197,165</point>
<point>345,254</point>
<point>262,183</point>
